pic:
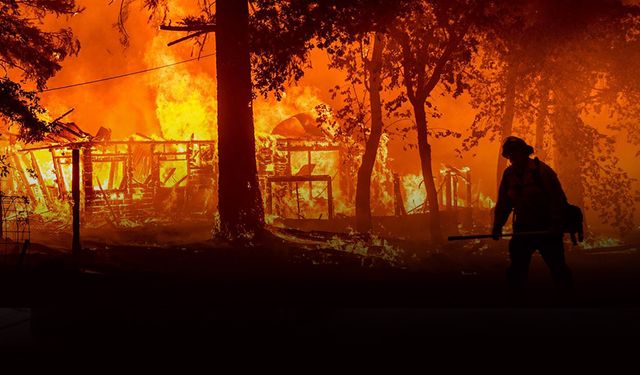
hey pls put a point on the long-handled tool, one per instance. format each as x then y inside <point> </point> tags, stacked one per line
<point>479,236</point>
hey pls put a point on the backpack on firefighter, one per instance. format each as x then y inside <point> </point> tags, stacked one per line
<point>573,219</point>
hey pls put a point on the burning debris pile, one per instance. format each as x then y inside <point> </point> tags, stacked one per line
<point>122,182</point>
<point>306,178</point>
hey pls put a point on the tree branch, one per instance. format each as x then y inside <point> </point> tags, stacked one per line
<point>186,38</point>
<point>444,59</point>
<point>200,28</point>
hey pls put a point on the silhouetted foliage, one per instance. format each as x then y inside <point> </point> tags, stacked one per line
<point>361,125</point>
<point>30,56</point>
<point>564,60</point>
<point>285,32</point>
<point>432,46</point>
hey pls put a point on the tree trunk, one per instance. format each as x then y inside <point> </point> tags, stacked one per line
<point>541,120</point>
<point>363,188</point>
<point>506,123</point>
<point>239,199</point>
<point>568,156</point>
<point>427,172</point>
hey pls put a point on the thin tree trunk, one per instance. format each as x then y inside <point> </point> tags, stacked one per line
<point>427,172</point>
<point>541,120</point>
<point>363,188</point>
<point>239,199</point>
<point>567,158</point>
<point>506,123</point>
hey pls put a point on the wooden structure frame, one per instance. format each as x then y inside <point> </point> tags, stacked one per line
<point>134,195</point>
<point>296,179</point>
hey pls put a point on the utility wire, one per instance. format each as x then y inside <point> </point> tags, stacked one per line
<point>127,74</point>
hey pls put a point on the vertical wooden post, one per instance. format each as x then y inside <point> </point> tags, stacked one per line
<point>1,215</point>
<point>58,172</point>
<point>75,192</point>
<point>269,197</point>
<point>23,179</point>
<point>330,198</point>
<point>188,156</point>
<point>113,165</point>
<point>310,183</point>
<point>454,185</point>
<point>469,197</point>
<point>469,215</point>
<point>155,170</point>
<point>87,178</point>
<point>298,200</point>
<point>129,168</point>
<point>448,188</point>
<point>399,209</point>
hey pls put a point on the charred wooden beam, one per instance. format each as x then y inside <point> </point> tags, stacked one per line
<point>23,178</point>
<point>298,215</point>
<point>58,172</point>
<point>308,148</point>
<point>108,158</point>
<point>168,174</point>
<point>75,192</point>
<point>180,181</point>
<point>304,178</point>
<point>129,168</point>
<point>195,30</point>
<point>41,182</point>
<point>269,199</point>
<point>107,201</point>
<point>112,143</point>
<point>62,116</point>
<point>190,36</point>
<point>87,176</point>
<point>112,174</point>
<point>155,170</point>
<point>330,199</point>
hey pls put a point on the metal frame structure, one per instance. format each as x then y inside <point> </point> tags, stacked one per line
<point>15,230</point>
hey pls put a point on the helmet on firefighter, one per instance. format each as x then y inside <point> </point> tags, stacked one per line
<point>513,145</point>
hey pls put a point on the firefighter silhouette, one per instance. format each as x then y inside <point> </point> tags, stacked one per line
<point>531,190</point>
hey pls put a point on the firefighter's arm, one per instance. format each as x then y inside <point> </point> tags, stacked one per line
<point>502,210</point>
<point>557,197</point>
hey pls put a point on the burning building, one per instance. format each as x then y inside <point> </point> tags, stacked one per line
<point>307,178</point>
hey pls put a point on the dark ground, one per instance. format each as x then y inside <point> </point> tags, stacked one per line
<point>205,295</point>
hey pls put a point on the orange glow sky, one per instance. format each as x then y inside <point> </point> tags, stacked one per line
<point>130,104</point>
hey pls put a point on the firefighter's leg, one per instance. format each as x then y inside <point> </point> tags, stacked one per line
<point>552,251</point>
<point>520,251</point>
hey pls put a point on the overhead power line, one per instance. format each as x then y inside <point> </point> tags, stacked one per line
<point>126,74</point>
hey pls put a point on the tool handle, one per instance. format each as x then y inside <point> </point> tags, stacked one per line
<point>472,237</point>
<point>480,236</point>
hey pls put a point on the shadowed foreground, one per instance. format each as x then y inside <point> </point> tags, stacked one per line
<point>205,295</point>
